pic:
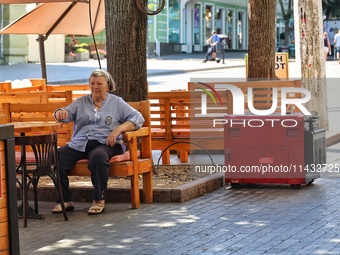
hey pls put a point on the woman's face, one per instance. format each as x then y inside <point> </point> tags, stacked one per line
<point>99,87</point>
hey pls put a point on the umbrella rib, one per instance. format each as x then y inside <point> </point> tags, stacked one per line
<point>60,18</point>
<point>96,16</point>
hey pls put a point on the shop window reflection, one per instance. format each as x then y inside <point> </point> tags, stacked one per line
<point>197,34</point>
<point>230,29</point>
<point>218,20</point>
<point>174,21</point>
<point>208,21</point>
<point>240,30</point>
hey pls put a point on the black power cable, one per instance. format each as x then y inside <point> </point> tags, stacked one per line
<point>92,32</point>
<point>145,9</point>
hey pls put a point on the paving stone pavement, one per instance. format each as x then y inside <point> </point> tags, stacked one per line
<point>262,219</point>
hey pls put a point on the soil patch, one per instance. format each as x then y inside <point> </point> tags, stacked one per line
<point>165,177</point>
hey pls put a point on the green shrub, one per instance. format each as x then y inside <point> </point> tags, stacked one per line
<point>80,50</point>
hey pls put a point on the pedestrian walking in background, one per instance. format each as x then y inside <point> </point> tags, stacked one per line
<point>213,41</point>
<point>337,45</point>
<point>326,45</point>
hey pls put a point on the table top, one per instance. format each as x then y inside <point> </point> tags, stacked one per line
<point>35,126</point>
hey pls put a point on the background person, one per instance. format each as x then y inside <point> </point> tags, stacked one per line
<point>337,44</point>
<point>212,41</point>
<point>326,45</point>
<point>99,120</point>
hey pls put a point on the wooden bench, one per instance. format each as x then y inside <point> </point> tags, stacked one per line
<point>78,90</point>
<point>38,84</point>
<point>36,97</point>
<point>137,141</point>
<point>174,126</point>
<point>177,122</point>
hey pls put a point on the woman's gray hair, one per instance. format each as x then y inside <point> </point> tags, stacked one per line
<point>102,73</point>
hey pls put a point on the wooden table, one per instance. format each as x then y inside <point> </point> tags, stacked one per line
<point>35,126</point>
<point>23,128</point>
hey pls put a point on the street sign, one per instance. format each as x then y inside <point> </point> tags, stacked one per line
<point>281,65</point>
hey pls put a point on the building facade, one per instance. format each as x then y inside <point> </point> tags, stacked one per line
<point>185,25</point>
<point>13,48</point>
<point>182,26</point>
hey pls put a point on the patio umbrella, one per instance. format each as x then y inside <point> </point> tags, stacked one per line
<point>72,18</point>
<point>34,1</point>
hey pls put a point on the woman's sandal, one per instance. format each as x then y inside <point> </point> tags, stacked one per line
<point>68,206</point>
<point>96,209</point>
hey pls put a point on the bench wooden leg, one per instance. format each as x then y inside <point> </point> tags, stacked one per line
<point>135,199</point>
<point>183,154</point>
<point>166,158</point>
<point>147,187</point>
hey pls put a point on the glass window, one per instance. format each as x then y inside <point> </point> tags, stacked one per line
<point>240,28</point>
<point>218,20</point>
<point>197,21</point>
<point>230,28</point>
<point>174,21</point>
<point>208,21</point>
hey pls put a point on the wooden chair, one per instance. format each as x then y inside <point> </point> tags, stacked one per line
<point>45,152</point>
<point>135,166</point>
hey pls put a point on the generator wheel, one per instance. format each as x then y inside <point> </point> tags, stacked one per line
<point>295,186</point>
<point>309,183</point>
<point>235,185</point>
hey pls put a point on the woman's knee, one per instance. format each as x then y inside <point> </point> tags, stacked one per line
<point>99,154</point>
<point>68,158</point>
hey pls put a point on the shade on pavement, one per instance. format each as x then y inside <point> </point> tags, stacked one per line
<point>70,18</point>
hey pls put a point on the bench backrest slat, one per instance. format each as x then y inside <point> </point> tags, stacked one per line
<point>36,97</point>
<point>38,84</point>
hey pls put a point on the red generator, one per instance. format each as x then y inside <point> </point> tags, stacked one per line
<point>266,149</point>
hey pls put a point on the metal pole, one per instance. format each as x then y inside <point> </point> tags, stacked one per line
<point>223,45</point>
<point>41,39</point>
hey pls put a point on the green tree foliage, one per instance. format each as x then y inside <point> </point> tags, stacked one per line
<point>331,9</point>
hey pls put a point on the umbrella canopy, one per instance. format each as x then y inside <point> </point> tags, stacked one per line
<point>60,18</point>
<point>70,18</point>
<point>34,1</point>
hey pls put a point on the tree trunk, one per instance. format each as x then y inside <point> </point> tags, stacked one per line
<point>126,30</point>
<point>309,16</point>
<point>262,34</point>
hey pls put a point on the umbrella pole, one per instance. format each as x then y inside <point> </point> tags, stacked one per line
<point>41,39</point>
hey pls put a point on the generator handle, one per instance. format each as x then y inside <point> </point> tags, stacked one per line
<point>310,121</point>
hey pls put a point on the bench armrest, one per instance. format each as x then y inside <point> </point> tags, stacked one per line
<point>143,131</point>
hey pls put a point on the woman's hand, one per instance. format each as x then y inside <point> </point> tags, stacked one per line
<point>126,126</point>
<point>111,139</point>
<point>61,114</point>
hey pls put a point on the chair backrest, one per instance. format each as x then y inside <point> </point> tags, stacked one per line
<point>44,148</point>
<point>145,142</point>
